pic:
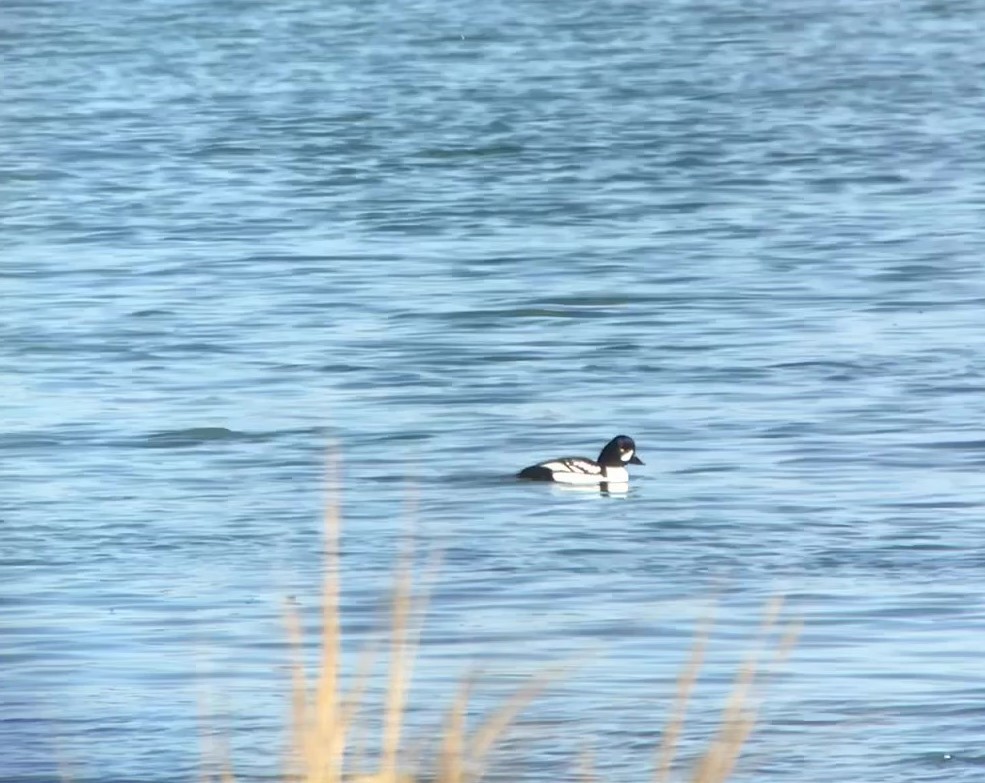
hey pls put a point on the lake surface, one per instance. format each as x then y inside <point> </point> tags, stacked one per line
<point>453,239</point>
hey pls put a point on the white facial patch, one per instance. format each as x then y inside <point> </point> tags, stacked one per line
<point>626,456</point>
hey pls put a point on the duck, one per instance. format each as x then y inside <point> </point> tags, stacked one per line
<point>609,468</point>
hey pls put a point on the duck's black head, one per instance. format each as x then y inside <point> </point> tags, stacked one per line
<point>619,451</point>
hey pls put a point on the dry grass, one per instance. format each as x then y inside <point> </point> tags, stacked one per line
<point>325,746</point>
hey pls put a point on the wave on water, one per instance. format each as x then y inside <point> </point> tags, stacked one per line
<point>197,436</point>
<point>201,436</point>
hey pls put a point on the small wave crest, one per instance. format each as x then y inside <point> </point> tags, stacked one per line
<point>197,436</point>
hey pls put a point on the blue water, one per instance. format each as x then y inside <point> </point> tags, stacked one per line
<point>452,239</point>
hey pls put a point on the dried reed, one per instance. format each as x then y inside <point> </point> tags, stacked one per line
<point>324,715</point>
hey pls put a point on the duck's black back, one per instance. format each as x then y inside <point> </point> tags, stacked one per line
<point>536,473</point>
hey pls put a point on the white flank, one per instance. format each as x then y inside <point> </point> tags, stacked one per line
<point>612,489</point>
<point>617,475</point>
<point>583,479</point>
<point>585,473</point>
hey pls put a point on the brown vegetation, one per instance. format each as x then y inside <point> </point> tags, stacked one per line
<point>324,724</point>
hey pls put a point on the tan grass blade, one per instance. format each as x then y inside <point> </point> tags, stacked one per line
<point>586,767</point>
<point>719,760</point>
<point>213,757</point>
<point>65,768</point>
<point>738,719</point>
<point>451,762</point>
<point>408,609</point>
<point>489,733</point>
<point>686,680</point>
<point>318,736</point>
<point>204,740</point>
<point>298,751</point>
<point>399,671</point>
<point>329,749</point>
<point>351,705</point>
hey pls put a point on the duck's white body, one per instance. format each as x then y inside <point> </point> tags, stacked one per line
<point>584,472</point>
<point>608,469</point>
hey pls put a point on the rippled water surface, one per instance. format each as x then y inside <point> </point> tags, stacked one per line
<point>455,238</point>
